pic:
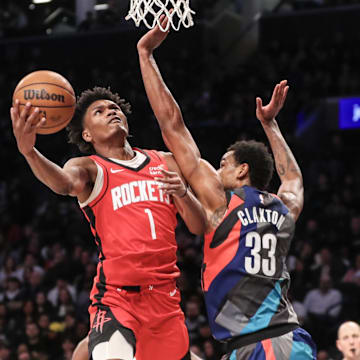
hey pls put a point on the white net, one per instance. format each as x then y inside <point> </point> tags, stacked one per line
<point>149,12</point>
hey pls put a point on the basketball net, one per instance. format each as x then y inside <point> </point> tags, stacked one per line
<point>149,12</point>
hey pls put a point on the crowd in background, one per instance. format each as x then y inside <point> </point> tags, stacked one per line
<point>47,254</point>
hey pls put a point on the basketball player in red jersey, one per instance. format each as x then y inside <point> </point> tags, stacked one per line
<point>249,231</point>
<point>134,301</point>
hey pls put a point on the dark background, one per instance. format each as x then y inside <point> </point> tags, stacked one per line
<point>45,242</point>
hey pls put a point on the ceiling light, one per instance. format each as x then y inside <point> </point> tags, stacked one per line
<point>101,7</point>
<point>41,1</point>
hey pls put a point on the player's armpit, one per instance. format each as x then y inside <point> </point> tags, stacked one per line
<point>208,188</point>
<point>81,173</point>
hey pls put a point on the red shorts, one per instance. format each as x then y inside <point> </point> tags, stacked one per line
<point>154,316</point>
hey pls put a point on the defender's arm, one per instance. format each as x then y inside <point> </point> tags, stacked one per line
<point>201,176</point>
<point>291,190</point>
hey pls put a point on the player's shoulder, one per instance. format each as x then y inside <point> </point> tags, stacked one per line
<point>85,162</point>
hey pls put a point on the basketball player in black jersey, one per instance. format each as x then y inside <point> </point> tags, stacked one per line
<point>245,280</point>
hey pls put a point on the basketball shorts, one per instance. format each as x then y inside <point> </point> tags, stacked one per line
<point>149,320</point>
<point>294,345</point>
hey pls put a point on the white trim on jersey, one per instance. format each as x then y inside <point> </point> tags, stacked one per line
<point>135,162</point>
<point>116,348</point>
<point>99,181</point>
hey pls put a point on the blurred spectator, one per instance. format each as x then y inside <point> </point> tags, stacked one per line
<point>323,355</point>
<point>326,265</point>
<point>13,295</point>
<point>33,340</point>
<point>54,293</point>
<point>323,306</point>
<point>323,301</point>
<point>353,274</point>
<point>348,340</point>
<point>194,319</point>
<point>9,269</point>
<point>43,305</point>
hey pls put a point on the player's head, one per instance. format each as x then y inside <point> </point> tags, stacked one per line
<point>348,341</point>
<point>246,163</point>
<point>99,114</point>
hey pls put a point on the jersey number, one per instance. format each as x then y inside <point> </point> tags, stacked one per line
<point>152,223</point>
<point>254,263</point>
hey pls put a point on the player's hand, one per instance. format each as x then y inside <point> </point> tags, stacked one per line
<point>171,183</point>
<point>269,112</point>
<point>153,38</point>
<point>25,123</point>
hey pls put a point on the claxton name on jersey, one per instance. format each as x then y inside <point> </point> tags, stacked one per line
<point>260,215</point>
<point>136,191</point>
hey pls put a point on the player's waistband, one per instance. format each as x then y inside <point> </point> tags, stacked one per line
<point>271,332</point>
<point>140,288</point>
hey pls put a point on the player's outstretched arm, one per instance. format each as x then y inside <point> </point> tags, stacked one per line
<point>71,180</point>
<point>201,176</point>
<point>291,190</point>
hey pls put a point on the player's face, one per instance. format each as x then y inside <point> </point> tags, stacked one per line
<point>349,341</point>
<point>227,171</point>
<point>104,117</point>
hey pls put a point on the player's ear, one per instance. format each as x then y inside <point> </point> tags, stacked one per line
<point>86,135</point>
<point>243,171</point>
<point>338,345</point>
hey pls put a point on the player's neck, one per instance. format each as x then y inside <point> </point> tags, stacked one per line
<point>124,152</point>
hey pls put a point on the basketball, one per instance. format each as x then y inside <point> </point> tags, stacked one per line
<point>52,94</point>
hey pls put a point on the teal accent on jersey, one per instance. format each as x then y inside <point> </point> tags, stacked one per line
<point>263,316</point>
<point>233,355</point>
<point>301,351</point>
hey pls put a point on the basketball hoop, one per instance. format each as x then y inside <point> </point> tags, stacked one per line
<point>149,12</point>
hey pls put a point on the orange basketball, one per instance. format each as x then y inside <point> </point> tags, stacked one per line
<point>52,94</point>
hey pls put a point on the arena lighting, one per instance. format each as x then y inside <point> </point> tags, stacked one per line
<point>37,2</point>
<point>101,7</point>
<point>349,113</point>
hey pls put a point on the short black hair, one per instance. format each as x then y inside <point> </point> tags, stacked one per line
<point>259,159</point>
<point>87,97</point>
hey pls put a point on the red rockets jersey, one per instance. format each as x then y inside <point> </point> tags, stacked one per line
<point>133,222</point>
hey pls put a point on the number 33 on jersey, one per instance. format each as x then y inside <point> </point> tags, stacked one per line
<point>244,267</point>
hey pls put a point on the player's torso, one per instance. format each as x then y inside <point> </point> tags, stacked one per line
<point>244,278</point>
<point>133,222</point>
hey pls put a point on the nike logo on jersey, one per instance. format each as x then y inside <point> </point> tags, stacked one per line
<point>172,293</point>
<point>114,171</point>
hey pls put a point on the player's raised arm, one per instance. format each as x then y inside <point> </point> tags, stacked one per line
<point>291,190</point>
<point>70,180</point>
<point>202,177</point>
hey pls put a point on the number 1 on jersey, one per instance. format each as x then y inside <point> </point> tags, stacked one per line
<point>152,223</point>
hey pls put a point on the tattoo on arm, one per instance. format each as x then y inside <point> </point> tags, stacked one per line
<point>281,169</point>
<point>217,216</point>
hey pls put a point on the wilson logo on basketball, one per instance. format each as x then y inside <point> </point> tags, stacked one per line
<point>43,95</point>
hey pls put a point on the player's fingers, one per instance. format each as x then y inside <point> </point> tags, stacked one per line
<point>25,112</point>
<point>285,94</point>
<point>14,113</point>
<point>34,117</point>
<point>275,93</point>
<point>168,173</point>
<point>42,122</point>
<point>31,120</point>
<point>258,103</point>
